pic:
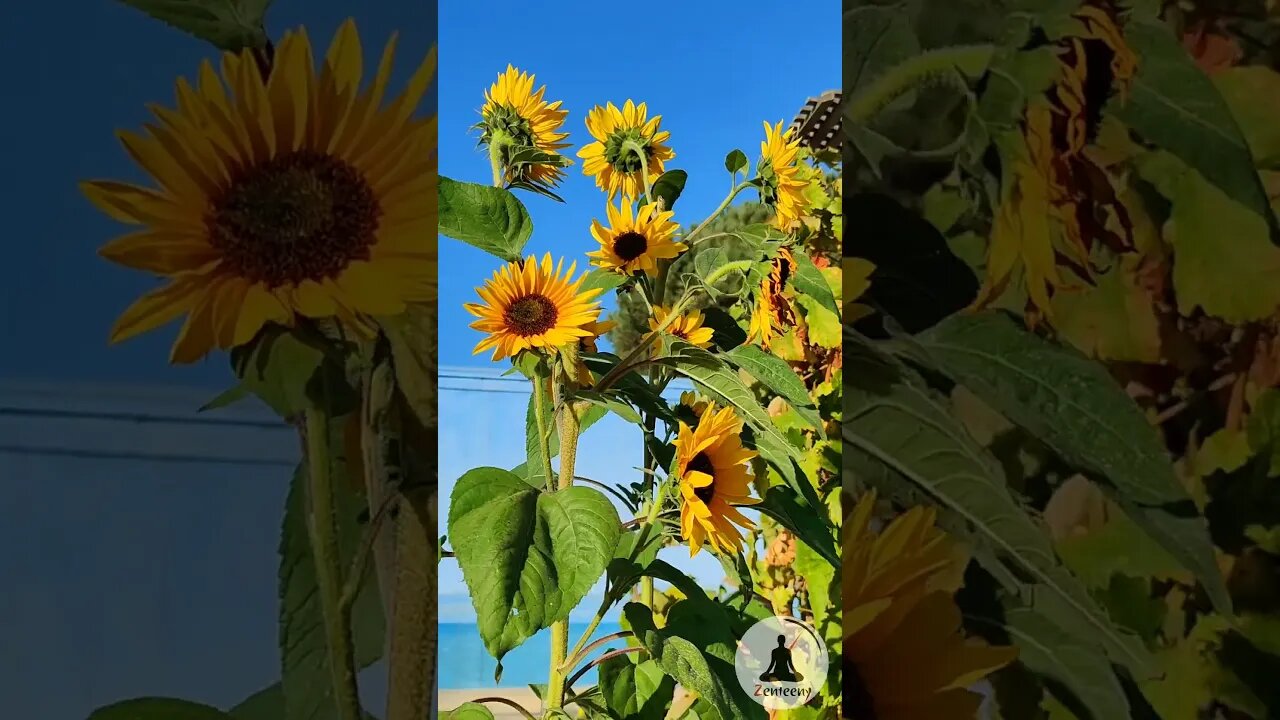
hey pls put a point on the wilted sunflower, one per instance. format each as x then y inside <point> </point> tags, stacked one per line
<point>528,306</point>
<point>688,327</point>
<point>711,466</point>
<point>514,112</point>
<point>905,655</point>
<point>773,312</point>
<point>634,244</point>
<point>287,192</point>
<point>615,167</point>
<point>782,186</point>
<point>1059,199</point>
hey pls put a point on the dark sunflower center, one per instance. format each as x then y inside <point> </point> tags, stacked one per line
<point>530,315</point>
<point>300,216</point>
<point>624,159</point>
<point>630,245</point>
<point>857,703</point>
<point>702,463</point>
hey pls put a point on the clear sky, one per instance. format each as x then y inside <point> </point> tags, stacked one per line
<point>715,71</point>
<point>74,73</point>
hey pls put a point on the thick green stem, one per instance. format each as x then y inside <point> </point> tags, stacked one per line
<point>644,167</point>
<point>911,74</point>
<point>323,531</point>
<point>688,239</point>
<point>411,660</point>
<point>570,427</point>
<point>544,436</point>
<point>497,144</point>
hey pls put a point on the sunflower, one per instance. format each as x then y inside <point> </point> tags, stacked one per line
<point>782,186</point>
<point>588,344</point>
<point>287,192</point>
<point>614,165</point>
<point>905,656</point>
<point>688,327</point>
<point>711,465</point>
<point>528,305</point>
<point>1060,200</point>
<point>514,112</point>
<point>773,312</point>
<point>632,245</point>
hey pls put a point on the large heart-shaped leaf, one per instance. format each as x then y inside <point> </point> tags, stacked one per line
<point>156,708</point>
<point>490,218</point>
<point>527,556</point>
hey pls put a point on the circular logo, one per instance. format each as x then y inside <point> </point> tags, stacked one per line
<point>781,662</point>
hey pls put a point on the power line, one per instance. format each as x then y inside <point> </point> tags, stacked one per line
<point>107,455</point>
<point>141,418</point>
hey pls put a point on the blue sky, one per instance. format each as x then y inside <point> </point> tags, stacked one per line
<point>715,71</point>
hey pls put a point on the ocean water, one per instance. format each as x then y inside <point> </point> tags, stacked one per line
<point>465,664</point>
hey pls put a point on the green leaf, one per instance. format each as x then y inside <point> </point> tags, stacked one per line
<point>266,704</point>
<point>611,404</point>
<point>736,162</point>
<point>305,676</point>
<point>470,711</point>
<point>156,708</point>
<point>412,336</point>
<point>1253,94</point>
<point>1071,662</point>
<point>823,325</point>
<point>710,677</point>
<point>1113,319</point>
<point>668,187</point>
<point>228,24</point>
<point>780,503</point>
<point>489,218</point>
<point>603,280</point>
<point>226,398</point>
<point>715,378</point>
<point>528,557</point>
<point>1177,107</point>
<point>1076,408</point>
<point>635,689</point>
<point>876,37</point>
<point>1223,260</point>
<point>898,434</point>
<point>775,374</point>
<point>278,367</point>
<point>808,280</point>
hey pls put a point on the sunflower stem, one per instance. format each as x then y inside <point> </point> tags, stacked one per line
<point>322,528</point>
<point>570,427</point>
<point>644,167</point>
<point>497,144</point>
<point>688,239</point>
<point>544,434</point>
<point>626,364</point>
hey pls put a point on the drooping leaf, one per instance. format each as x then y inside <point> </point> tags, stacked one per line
<point>489,218</point>
<point>1072,662</point>
<point>528,557</point>
<point>1077,409</point>
<point>897,434</point>
<point>231,25</point>
<point>709,676</point>
<point>412,336</point>
<point>668,187</point>
<point>156,708</point>
<point>775,374</point>
<point>635,689</point>
<point>1177,107</point>
<point>822,325</point>
<point>808,279</point>
<point>780,503</point>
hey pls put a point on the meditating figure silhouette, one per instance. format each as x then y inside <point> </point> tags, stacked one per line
<point>780,667</point>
